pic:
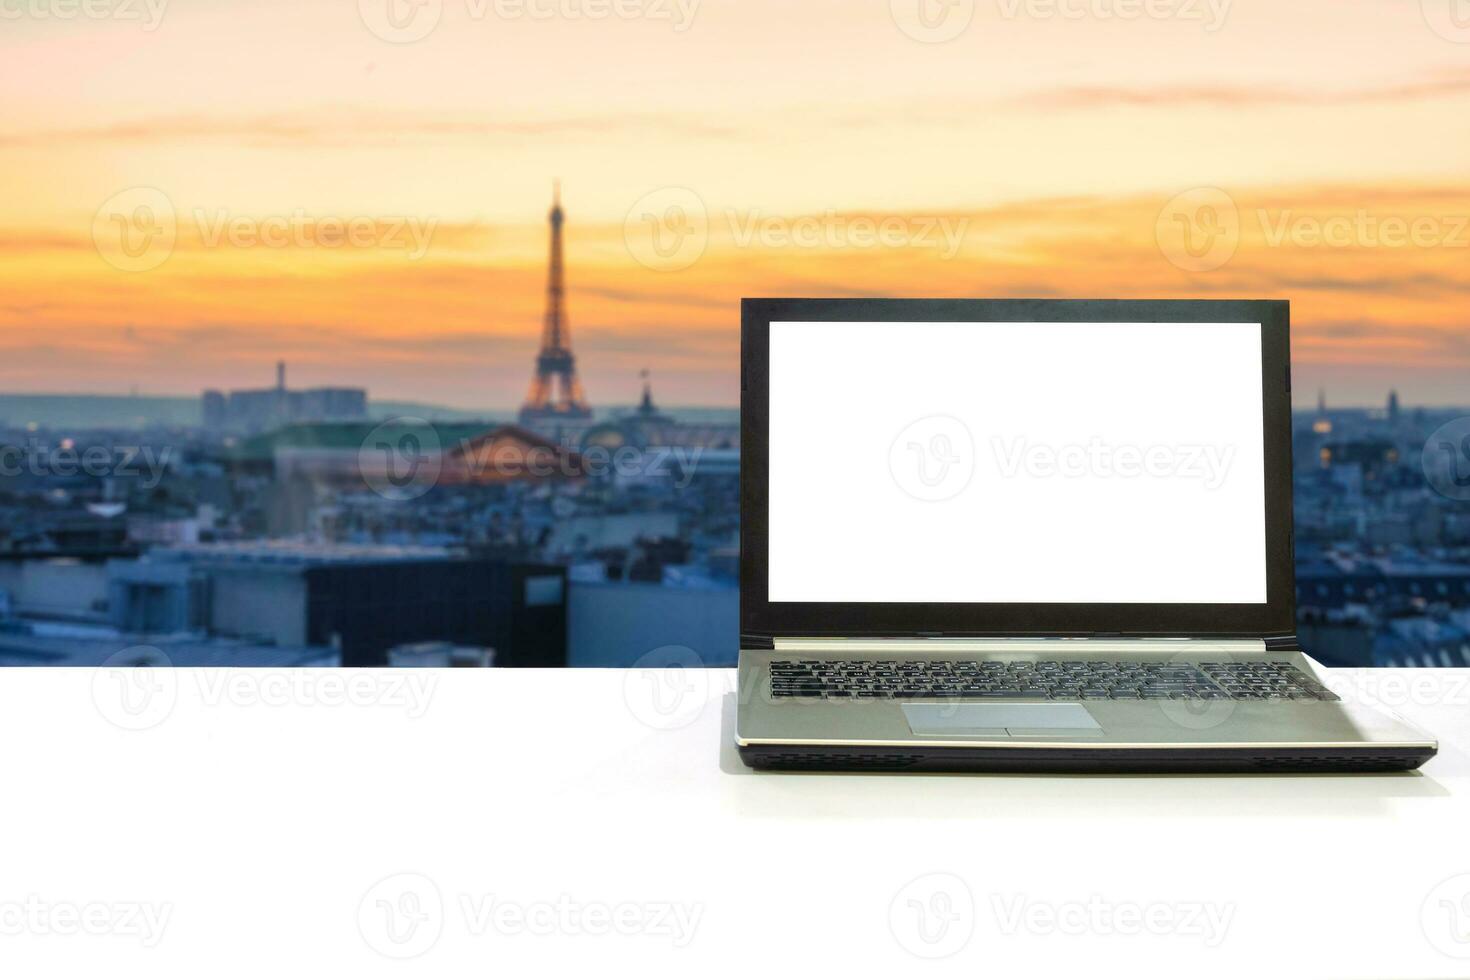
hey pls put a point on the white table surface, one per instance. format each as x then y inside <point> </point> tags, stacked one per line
<point>261,823</point>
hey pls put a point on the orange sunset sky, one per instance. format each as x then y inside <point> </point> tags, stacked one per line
<point>710,150</point>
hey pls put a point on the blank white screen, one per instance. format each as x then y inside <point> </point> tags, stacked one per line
<point>1016,462</point>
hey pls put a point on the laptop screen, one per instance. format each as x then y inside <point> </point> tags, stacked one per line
<point>1014,462</point>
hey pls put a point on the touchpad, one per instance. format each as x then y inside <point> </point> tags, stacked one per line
<point>1000,720</point>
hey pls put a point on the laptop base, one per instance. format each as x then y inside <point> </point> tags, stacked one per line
<point>1016,758</point>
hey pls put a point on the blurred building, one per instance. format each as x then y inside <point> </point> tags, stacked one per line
<point>259,409</point>
<point>361,601</point>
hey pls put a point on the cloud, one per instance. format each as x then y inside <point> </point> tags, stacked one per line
<point>1408,285</point>
<point>1436,85</point>
<point>338,127</point>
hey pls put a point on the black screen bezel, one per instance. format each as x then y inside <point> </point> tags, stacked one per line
<point>762,619</point>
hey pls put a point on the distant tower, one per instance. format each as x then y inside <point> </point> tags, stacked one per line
<point>1393,406</point>
<point>1321,401</point>
<point>647,410</point>
<point>280,375</point>
<point>555,393</point>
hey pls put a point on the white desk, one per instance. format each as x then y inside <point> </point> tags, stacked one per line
<point>247,827</point>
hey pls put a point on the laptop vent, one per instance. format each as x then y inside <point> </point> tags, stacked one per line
<point>840,760</point>
<point>1321,763</point>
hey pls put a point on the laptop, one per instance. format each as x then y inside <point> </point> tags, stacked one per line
<point>1048,535</point>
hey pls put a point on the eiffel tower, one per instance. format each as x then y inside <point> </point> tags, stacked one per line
<point>556,394</point>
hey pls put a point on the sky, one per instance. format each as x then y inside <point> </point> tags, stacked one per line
<point>198,188</point>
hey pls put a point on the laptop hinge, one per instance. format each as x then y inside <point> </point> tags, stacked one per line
<point>1018,644</point>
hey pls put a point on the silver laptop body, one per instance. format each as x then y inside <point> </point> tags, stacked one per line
<point>1028,535</point>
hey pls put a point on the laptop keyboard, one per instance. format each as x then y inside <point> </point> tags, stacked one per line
<point>1072,680</point>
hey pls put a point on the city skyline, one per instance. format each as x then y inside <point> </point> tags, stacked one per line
<point>807,161</point>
